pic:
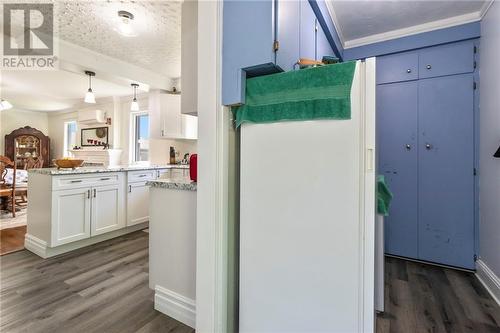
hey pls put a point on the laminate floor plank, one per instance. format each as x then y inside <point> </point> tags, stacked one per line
<point>423,298</point>
<point>102,288</point>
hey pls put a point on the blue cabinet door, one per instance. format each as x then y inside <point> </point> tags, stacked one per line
<point>248,36</point>
<point>288,34</point>
<point>397,161</point>
<point>446,170</point>
<point>397,67</point>
<point>449,59</point>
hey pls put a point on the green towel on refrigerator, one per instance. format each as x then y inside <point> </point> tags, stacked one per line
<point>308,94</point>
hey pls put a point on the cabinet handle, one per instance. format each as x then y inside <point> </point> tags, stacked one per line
<point>76,181</point>
<point>408,147</point>
<point>130,189</point>
<point>105,178</point>
<point>142,176</point>
<point>428,146</point>
<point>429,66</point>
<point>162,133</point>
<point>88,194</point>
<point>408,71</point>
<point>95,192</point>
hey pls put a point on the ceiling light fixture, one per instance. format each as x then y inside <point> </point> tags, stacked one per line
<point>125,24</point>
<point>5,105</point>
<point>134,106</point>
<point>89,96</point>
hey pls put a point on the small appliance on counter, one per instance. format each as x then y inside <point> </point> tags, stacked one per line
<point>193,167</point>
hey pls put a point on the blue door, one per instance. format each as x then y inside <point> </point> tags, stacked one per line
<point>397,161</point>
<point>446,170</point>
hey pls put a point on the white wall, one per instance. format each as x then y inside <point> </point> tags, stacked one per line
<point>14,118</point>
<point>489,167</point>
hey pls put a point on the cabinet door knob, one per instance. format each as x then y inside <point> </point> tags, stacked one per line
<point>408,147</point>
<point>428,146</point>
<point>429,66</point>
<point>408,70</point>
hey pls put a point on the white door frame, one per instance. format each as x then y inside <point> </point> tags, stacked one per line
<point>212,203</point>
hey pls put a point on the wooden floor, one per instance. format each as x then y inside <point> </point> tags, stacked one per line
<point>102,288</point>
<point>12,239</point>
<point>424,298</point>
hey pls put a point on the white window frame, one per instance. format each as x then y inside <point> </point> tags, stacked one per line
<point>132,150</point>
<point>66,149</point>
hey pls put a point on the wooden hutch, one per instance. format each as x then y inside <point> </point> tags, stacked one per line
<point>26,142</point>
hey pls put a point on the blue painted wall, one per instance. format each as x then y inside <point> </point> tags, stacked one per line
<point>324,19</point>
<point>425,39</point>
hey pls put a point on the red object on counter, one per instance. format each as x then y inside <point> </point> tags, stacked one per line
<point>193,167</point>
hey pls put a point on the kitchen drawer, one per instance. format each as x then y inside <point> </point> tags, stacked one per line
<point>81,180</point>
<point>397,67</point>
<point>457,58</point>
<point>141,175</point>
<point>161,172</point>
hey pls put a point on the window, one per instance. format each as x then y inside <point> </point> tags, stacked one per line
<point>69,137</point>
<point>140,137</point>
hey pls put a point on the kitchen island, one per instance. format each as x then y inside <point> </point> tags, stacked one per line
<point>69,209</point>
<point>172,247</point>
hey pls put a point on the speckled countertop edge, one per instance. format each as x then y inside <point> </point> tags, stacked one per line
<point>85,170</point>
<point>173,184</point>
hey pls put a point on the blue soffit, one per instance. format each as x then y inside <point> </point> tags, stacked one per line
<point>321,11</point>
<point>425,39</point>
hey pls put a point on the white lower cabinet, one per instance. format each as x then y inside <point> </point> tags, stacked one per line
<point>107,209</point>
<point>71,210</point>
<point>137,203</point>
<point>85,212</point>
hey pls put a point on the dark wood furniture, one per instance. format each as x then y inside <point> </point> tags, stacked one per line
<point>27,142</point>
<point>8,190</point>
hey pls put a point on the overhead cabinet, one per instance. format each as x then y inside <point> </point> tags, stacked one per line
<point>262,36</point>
<point>425,126</point>
<point>166,119</point>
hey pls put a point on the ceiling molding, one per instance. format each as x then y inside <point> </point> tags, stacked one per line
<point>426,27</point>
<point>486,7</point>
<point>335,21</point>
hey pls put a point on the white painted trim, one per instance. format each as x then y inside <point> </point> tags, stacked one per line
<point>212,203</point>
<point>35,245</point>
<point>489,280</point>
<point>485,8</point>
<point>335,21</point>
<point>175,305</point>
<point>417,29</point>
<point>40,247</point>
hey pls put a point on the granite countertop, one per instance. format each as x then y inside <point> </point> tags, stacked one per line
<point>102,169</point>
<point>173,184</point>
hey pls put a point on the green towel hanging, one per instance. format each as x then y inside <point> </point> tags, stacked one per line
<point>384,196</point>
<point>315,93</point>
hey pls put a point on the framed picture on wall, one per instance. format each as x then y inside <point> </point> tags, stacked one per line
<point>97,136</point>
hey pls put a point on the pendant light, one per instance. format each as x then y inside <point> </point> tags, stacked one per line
<point>134,106</point>
<point>89,96</point>
<point>5,105</point>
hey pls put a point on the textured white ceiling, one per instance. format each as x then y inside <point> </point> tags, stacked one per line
<point>156,47</point>
<point>361,18</point>
<point>53,90</point>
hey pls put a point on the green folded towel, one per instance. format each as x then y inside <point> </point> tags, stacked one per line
<point>314,93</point>
<point>384,196</point>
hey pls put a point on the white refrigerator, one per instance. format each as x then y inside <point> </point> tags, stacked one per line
<point>307,220</point>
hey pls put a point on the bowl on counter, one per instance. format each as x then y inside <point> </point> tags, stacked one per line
<point>65,163</point>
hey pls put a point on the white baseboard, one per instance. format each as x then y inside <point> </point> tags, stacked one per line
<point>35,245</point>
<point>175,305</point>
<point>489,280</point>
<point>41,247</point>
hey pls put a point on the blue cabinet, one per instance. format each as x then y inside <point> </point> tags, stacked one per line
<point>397,67</point>
<point>425,132</point>
<point>397,138</point>
<point>249,32</point>
<point>446,170</point>
<point>248,36</point>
